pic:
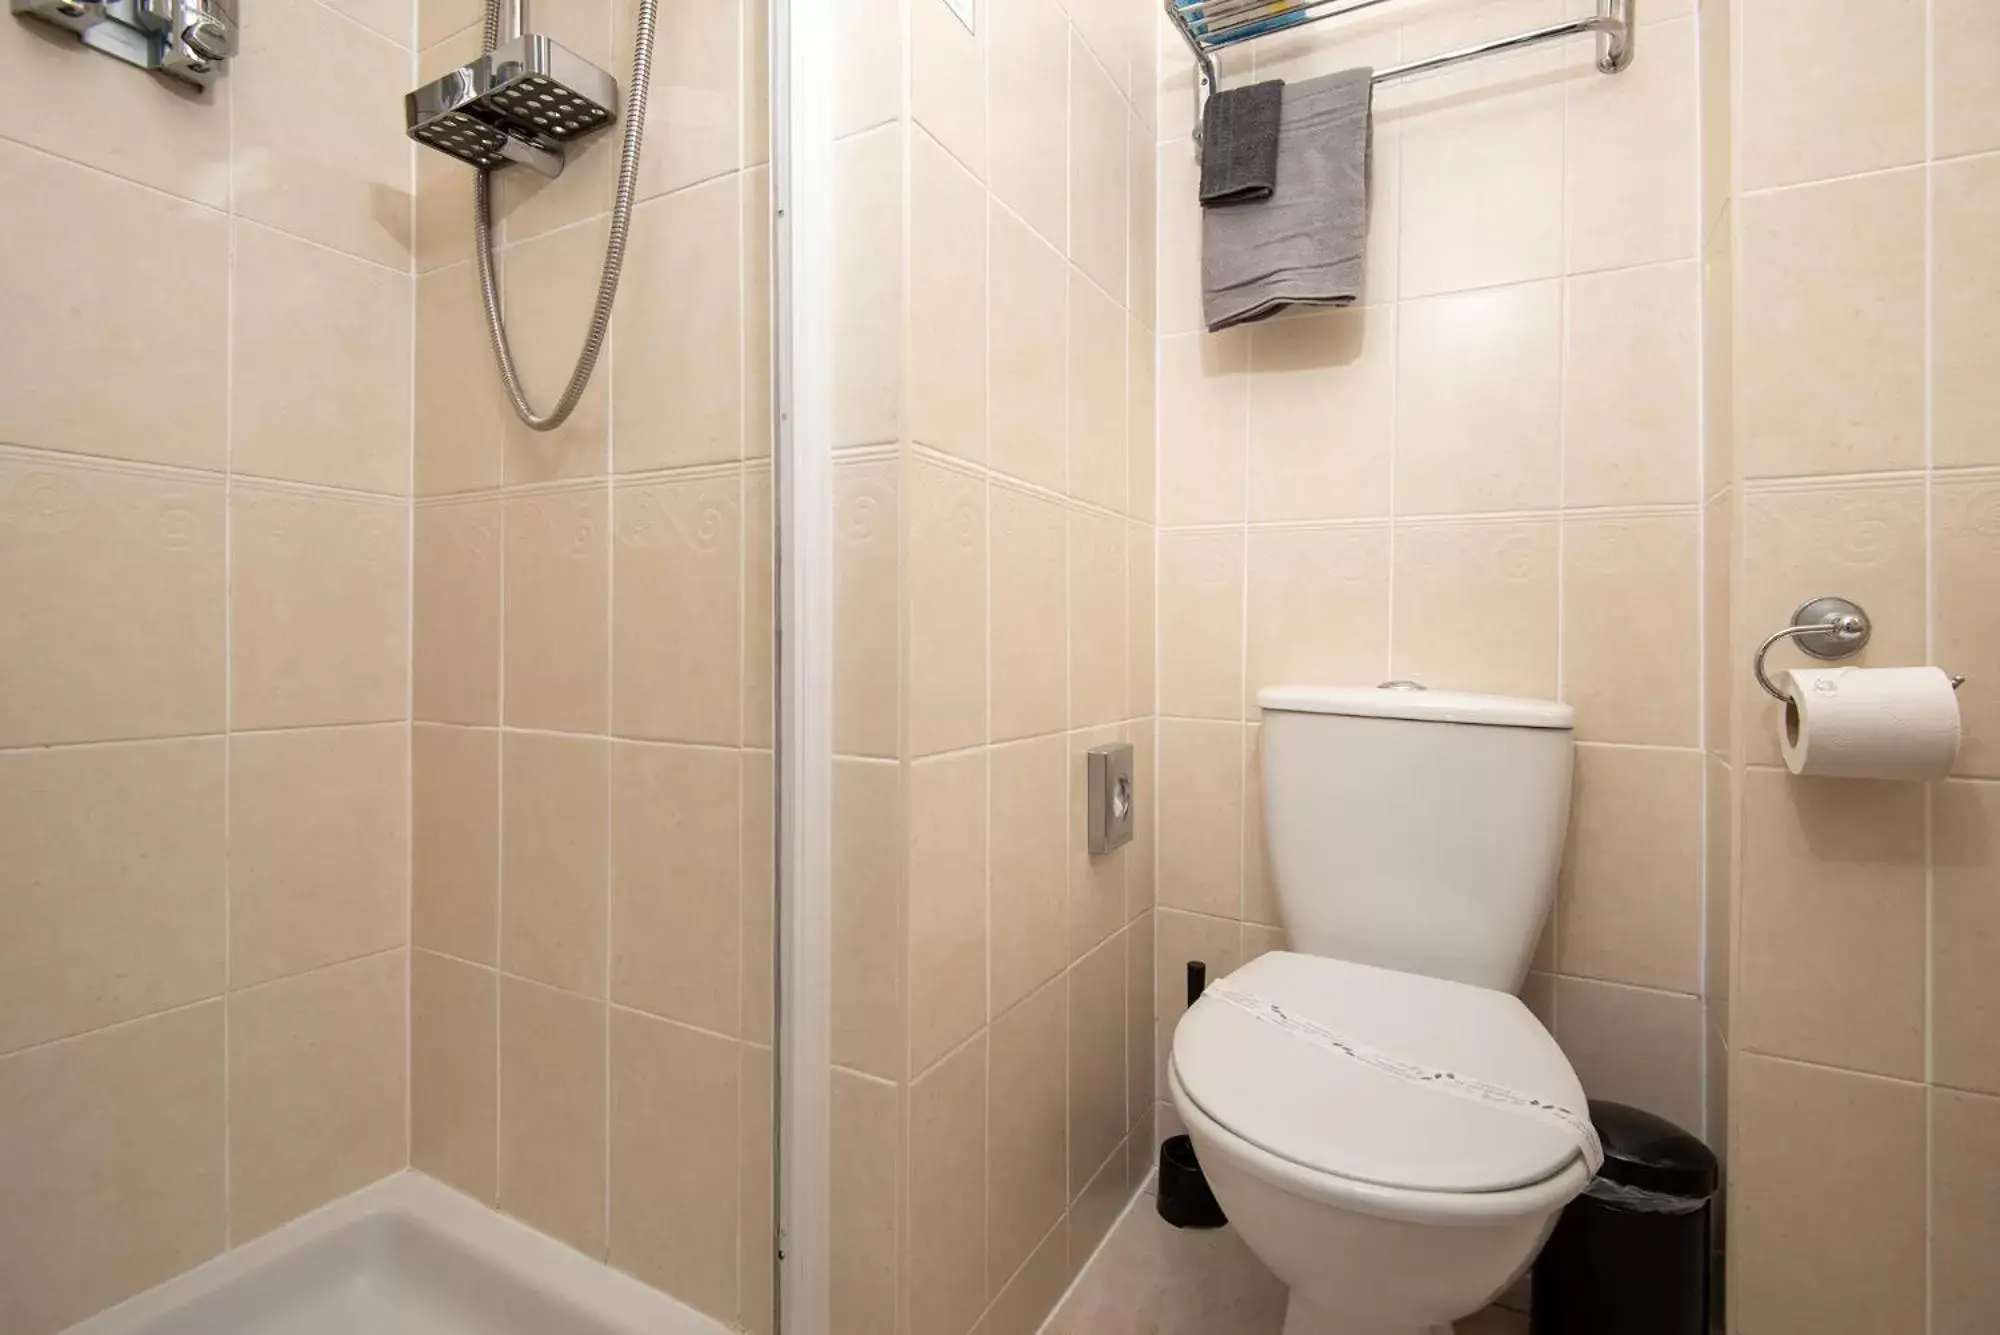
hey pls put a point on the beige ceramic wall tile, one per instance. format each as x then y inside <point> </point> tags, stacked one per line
<point>946,388</point>
<point>1201,814</point>
<point>1476,607</point>
<point>1098,635</point>
<point>868,51</point>
<point>1260,887</point>
<point>1718,357</point>
<point>1178,171</point>
<point>319,848</point>
<point>455,628</point>
<point>557,581</point>
<point>1318,608</point>
<point>549,285</point>
<point>114,890</point>
<point>1720,593</point>
<point>698,117</point>
<point>319,365</point>
<point>114,580</point>
<point>1142,203</point>
<point>1141,618</point>
<point>676,912</point>
<point>1027,416</point>
<point>1829,93</point>
<point>1098,394</point>
<point>1830,371</point>
<point>759,620</point>
<point>677,611</point>
<point>319,610</point>
<point>458,402</point>
<point>676,375</point>
<point>867,986</point>
<point>1719,892</point>
<point>1966,321</point>
<point>1142,434</point>
<point>760,896</point>
<point>1798,543</point>
<point>74,280</point>
<point>1630,153</point>
<point>1028,895</point>
<point>454,1033</point>
<point>947,924</point>
<point>153,131</point>
<point>1028,66</point>
<point>867,652</point>
<point>1631,399</point>
<point>318,146</point>
<point>1027,1127</point>
<point>759,221</point>
<point>947,1157</point>
<point>1203,389</point>
<point>1098,229</point>
<point>1965,1222</point>
<point>1965,924</point>
<point>1026,1300</point>
<point>1630,904</point>
<point>552,1112</point>
<point>948,82</point>
<point>1322,415</point>
<point>1967,95</point>
<point>1479,401</point>
<point>1025,422</point>
<point>1028,587</point>
<point>868,285</point>
<point>1832,963</point>
<point>1613,567</point>
<point>1808,1145</point>
<point>112,1148</point>
<point>1634,1046</point>
<point>1966,575</point>
<point>1097,881</point>
<point>1201,619</point>
<point>1097,1114</point>
<point>1482,179</point>
<point>552,858</point>
<point>393,19</point>
<point>1140,948</point>
<point>865,1136</point>
<point>317,1081</point>
<point>455,841</point>
<point>1097,1208</point>
<point>674,1146</point>
<point>756,1262</point>
<point>946,572</point>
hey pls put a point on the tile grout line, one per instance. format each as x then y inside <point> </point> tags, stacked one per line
<point>1930,649</point>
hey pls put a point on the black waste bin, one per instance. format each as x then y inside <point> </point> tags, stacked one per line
<point>1631,1254</point>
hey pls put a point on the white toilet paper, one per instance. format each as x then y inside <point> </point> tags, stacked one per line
<point>1869,723</point>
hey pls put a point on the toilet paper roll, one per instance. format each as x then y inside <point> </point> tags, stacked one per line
<point>1869,723</point>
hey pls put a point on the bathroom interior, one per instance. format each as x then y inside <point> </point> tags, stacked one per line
<point>609,845</point>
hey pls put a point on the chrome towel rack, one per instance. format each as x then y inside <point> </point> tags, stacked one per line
<point>1209,26</point>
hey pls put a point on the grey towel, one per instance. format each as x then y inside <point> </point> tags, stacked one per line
<point>1239,144</point>
<point>1304,245</point>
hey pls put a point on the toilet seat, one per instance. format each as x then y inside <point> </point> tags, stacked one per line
<point>1339,1125</point>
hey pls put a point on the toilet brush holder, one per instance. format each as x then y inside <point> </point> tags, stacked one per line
<point>1185,1200</point>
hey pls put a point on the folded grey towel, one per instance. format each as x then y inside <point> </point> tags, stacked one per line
<point>1304,245</point>
<point>1239,144</point>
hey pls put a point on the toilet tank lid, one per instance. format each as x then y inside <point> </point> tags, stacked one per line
<point>1493,711</point>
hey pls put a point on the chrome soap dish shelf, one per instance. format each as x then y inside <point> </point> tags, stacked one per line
<point>1826,627</point>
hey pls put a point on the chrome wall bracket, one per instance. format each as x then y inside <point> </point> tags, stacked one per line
<point>189,40</point>
<point>1826,627</point>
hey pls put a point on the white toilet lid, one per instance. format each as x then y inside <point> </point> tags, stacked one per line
<point>1324,1110</point>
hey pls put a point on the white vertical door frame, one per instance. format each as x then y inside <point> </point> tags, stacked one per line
<point>801,64</point>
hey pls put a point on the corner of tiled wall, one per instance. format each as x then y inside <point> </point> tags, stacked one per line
<point>592,884</point>
<point>1864,1094</point>
<point>205,415</point>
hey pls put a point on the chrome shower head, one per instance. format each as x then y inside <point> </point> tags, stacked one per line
<point>522,102</point>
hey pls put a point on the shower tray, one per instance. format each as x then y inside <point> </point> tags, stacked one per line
<point>405,1256</point>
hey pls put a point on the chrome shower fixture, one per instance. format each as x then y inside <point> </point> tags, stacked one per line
<point>524,101</point>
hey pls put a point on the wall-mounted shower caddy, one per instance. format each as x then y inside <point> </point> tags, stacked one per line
<point>1211,26</point>
<point>191,40</point>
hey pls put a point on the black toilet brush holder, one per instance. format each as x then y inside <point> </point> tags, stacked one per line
<point>1185,1200</point>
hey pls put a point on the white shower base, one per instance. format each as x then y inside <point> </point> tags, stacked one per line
<point>406,1256</point>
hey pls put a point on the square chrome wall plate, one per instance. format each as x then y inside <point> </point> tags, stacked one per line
<point>1110,793</point>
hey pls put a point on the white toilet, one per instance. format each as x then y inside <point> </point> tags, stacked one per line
<point>1385,1124</point>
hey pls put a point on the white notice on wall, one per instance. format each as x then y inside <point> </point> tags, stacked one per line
<point>963,8</point>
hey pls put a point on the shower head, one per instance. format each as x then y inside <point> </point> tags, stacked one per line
<point>522,102</point>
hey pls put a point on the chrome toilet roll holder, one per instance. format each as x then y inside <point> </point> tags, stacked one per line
<point>1826,627</point>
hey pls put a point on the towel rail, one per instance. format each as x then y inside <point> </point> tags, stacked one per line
<point>1209,26</point>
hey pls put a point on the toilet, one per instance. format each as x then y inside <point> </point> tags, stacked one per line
<point>1388,1128</point>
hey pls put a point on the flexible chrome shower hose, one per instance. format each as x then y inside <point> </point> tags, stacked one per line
<point>614,250</point>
